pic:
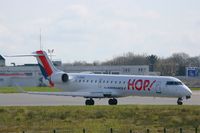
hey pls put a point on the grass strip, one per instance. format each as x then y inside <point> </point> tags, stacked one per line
<point>98,119</point>
<point>195,89</point>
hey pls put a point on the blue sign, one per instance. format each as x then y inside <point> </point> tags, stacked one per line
<point>192,72</point>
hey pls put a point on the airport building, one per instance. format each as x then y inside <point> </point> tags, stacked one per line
<point>20,76</point>
<point>124,70</point>
<point>2,61</point>
<point>30,75</point>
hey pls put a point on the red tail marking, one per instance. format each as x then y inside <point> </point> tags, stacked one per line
<point>51,83</point>
<point>45,63</point>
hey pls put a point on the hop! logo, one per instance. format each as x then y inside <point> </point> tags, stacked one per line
<point>140,84</point>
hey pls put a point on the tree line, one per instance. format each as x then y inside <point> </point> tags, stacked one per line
<point>172,66</point>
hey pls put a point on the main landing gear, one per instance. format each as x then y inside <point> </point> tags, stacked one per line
<point>90,101</point>
<point>112,101</point>
<point>180,101</point>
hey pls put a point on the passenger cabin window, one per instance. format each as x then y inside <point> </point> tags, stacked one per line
<point>173,83</point>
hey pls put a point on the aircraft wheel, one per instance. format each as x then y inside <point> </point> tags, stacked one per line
<point>180,101</point>
<point>112,101</point>
<point>89,102</point>
<point>115,101</point>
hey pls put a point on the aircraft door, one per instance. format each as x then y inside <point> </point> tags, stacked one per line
<point>100,83</point>
<point>158,87</point>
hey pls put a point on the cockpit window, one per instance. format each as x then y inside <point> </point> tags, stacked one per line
<point>174,83</point>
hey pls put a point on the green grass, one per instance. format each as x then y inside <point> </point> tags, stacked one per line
<point>17,90</point>
<point>99,119</point>
<point>195,89</point>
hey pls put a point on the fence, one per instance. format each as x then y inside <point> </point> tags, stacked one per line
<point>111,130</point>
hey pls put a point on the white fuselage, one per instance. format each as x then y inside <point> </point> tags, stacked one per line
<point>125,85</point>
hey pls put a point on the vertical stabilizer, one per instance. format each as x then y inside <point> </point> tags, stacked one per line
<point>46,66</point>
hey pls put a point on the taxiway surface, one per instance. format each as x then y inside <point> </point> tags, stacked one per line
<point>22,99</point>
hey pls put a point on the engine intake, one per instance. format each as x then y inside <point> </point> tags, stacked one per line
<point>59,78</point>
<point>65,77</point>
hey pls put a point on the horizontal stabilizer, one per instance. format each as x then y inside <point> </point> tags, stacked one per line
<point>25,55</point>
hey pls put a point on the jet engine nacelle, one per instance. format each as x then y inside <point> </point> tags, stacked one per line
<point>60,77</point>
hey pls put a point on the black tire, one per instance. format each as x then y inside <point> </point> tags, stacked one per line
<point>112,101</point>
<point>89,102</point>
<point>180,101</point>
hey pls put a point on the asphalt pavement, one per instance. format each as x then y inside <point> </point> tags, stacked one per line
<point>22,99</point>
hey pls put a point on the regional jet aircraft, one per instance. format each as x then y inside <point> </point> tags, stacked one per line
<point>92,86</point>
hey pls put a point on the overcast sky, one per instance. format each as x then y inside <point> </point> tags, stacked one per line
<point>99,29</point>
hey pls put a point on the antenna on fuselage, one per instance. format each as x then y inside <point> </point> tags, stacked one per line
<point>41,39</point>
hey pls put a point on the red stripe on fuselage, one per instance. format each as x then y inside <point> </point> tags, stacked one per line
<point>45,63</point>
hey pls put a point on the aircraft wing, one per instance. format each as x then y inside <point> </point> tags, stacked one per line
<point>73,94</point>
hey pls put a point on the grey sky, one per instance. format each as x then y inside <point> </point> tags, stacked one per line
<point>99,29</point>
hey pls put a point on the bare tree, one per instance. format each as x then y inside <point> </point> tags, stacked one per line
<point>173,66</point>
<point>152,60</point>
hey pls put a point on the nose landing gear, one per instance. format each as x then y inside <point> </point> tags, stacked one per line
<point>180,101</point>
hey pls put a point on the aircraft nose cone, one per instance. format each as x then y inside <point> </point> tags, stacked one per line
<point>188,92</point>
